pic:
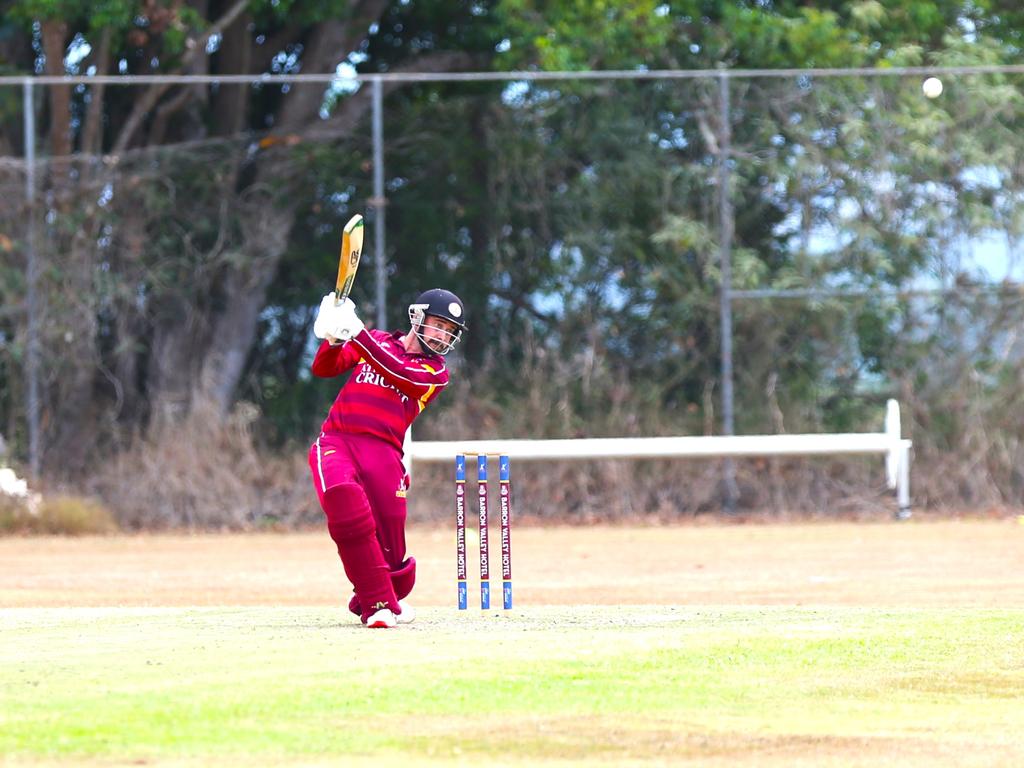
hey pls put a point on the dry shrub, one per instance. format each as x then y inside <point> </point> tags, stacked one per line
<point>60,515</point>
<point>642,490</point>
<point>206,474</point>
<point>631,489</point>
<point>73,516</point>
<point>13,514</point>
<point>968,454</point>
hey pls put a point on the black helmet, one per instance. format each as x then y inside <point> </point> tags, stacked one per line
<point>437,302</point>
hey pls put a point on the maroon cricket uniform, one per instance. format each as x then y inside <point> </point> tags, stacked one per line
<point>357,459</point>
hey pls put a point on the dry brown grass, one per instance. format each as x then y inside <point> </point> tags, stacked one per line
<point>655,491</point>
<point>61,515</point>
<point>204,475</point>
<point>210,475</point>
<point>198,476</point>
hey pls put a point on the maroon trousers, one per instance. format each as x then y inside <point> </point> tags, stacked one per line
<point>360,482</point>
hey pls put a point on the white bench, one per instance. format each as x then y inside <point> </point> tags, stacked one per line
<point>889,443</point>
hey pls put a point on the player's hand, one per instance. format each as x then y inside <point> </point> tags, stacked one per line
<point>345,323</point>
<point>325,316</point>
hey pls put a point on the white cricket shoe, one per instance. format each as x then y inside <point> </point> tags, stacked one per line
<point>382,619</point>
<point>408,614</point>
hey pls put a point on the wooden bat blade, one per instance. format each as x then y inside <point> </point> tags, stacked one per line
<point>348,260</point>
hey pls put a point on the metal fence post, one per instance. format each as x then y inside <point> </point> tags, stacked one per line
<point>725,228</point>
<point>32,288</point>
<point>379,203</point>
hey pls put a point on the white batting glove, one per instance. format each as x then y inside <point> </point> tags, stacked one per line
<point>345,323</point>
<point>324,316</point>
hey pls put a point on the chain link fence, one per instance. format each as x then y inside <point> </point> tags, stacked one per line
<point>854,239</point>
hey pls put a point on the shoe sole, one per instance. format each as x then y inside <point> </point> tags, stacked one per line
<point>407,616</point>
<point>382,619</point>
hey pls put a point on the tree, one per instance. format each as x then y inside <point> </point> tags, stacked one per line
<point>579,219</point>
<point>166,295</point>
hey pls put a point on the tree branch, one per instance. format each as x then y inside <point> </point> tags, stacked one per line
<point>54,33</point>
<point>331,43</point>
<point>92,133</point>
<point>352,109</point>
<point>519,302</point>
<point>163,114</point>
<point>150,98</point>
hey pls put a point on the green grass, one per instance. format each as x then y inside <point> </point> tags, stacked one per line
<point>590,684</point>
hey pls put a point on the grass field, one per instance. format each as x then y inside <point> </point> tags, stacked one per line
<point>806,645</point>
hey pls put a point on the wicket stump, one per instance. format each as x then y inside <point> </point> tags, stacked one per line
<point>505,485</point>
<point>485,549</point>
<point>460,528</point>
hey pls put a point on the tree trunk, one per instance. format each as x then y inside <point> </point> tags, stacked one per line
<point>231,102</point>
<point>245,293</point>
<point>70,351</point>
<point>177,345</point>
<point>54,33</point>
<point>132,324</point>
<point>92,131</point>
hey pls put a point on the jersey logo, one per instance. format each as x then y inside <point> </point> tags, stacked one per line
<point>367,375</point>
<point>403,489</point>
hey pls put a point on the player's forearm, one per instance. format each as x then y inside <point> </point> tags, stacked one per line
<point>330,360</point>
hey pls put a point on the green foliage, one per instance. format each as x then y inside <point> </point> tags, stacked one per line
<point>406,31</point>
<point>702,33</point>
<point>27,10</point>
<point>298,12</point>
<point>582,35</point>
<point>579,220</point>
<point>92,16</point>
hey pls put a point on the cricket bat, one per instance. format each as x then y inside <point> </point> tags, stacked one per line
<point>348,261</point>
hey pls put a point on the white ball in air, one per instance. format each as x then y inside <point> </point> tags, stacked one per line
<point>932,87</point>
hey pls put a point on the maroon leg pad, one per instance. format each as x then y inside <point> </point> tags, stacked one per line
<point>353,530</point>
<point>402,580</point>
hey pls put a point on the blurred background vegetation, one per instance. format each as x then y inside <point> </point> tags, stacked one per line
<point>186,233</point>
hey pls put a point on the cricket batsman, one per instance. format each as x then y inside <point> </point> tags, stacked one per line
<point>356,461</point>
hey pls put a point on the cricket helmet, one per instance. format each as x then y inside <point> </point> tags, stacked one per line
<point>437,302</point>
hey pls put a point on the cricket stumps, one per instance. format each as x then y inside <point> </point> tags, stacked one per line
<point>505,497</point>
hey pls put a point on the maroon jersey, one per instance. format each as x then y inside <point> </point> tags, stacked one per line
<point>387,391</point>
